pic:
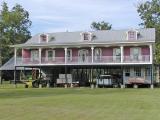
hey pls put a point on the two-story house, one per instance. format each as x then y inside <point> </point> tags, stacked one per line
<point>126,55</point>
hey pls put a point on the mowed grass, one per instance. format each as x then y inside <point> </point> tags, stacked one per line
<point>79,104</point>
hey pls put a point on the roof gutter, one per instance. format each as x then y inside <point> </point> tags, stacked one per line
<point>78,44</point>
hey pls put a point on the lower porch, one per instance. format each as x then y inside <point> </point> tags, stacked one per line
<point>100,76</point>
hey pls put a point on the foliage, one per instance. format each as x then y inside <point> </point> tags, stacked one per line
<point>157,53</point>
<point>14,26</point>
<point>101,25</point>
<point>149,12</point>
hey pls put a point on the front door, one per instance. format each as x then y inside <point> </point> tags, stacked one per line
<point>83,56</point>
<point>34,55</point>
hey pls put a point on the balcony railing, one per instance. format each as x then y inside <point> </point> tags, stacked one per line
<point>107,59</point>
<point>83,60</point>
<point>133,59</point>
<point>79,60</point>
<point>53,60</point>
<point>21,61</point>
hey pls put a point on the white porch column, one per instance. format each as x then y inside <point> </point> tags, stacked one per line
<point>15,56</point>
<point>92,48</point>
<point>151,53</point>
<point>121,47</point>
<point>22,55</point>
<point>65,51</point>
<point>40,55</point>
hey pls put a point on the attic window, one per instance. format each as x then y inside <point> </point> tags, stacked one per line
<point>86,36</point>
<point>132,35</point>
<point>43,38</point>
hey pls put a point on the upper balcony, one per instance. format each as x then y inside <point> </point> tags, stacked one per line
<point>85,56</point>
<point>87,60</point>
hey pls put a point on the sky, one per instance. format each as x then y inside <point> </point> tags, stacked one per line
<point>77,15</point>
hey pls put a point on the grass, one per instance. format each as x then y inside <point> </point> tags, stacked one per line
<point>6,84</point>
<point>79,104</point>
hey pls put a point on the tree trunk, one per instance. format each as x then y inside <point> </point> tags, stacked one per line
<point>157,74</point>
<point>0,66</point>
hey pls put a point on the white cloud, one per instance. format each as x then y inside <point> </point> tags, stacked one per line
<point>62,15</point>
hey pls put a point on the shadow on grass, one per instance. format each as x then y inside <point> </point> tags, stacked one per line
<point>44,92</point>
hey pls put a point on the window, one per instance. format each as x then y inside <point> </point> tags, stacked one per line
<point>116,54</point>
<point>137,72</point>
<point>147,72</point>
<point>127,72</point>
<point>97,54</point>
<point>43,38</point>
<point>86,36</point>
<point>50,55</point>
<point>69,54</point>
<point>132,35</point>
<point>34,55</point>
<point>135,53</point>
<point>83,55</point>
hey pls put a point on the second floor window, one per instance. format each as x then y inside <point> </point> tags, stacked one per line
<point>135,53</point>
<point>83,55</point>
<point>98,54</point>
<point>50,55</point>
<point>34,55</point>
<point>69,54</point>
<point>117,54</point>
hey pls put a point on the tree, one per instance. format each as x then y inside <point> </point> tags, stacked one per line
<point>14,29</point>
<point>15,26</point>
<point>101,25</point>
<point>2,38</point>
<point>149,12</point>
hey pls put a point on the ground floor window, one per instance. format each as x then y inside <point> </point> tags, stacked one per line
<point>127,72</point>
<point>147,72</point>
<point>137,72</point>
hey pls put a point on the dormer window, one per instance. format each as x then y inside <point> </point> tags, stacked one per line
<point>86,36</point>
<point>43,38</point>
<point>132,35</point>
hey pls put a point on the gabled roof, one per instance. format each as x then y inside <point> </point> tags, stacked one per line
<point>104,36</point>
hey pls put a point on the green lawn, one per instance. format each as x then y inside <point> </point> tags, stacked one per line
<point>79,104</point>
